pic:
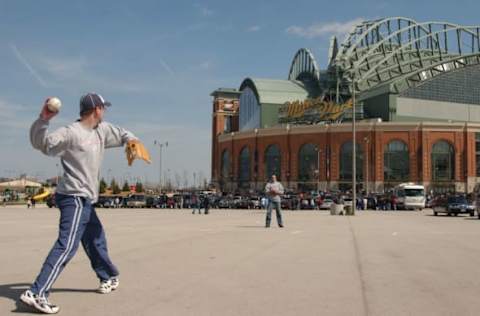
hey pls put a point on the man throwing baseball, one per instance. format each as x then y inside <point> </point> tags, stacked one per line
<point>274,190</point>
<point>80,146</point>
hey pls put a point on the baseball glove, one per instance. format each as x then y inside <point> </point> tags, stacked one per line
<point>136,150</point>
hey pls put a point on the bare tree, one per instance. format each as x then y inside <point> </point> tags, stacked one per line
<point>185,178</point>
<point>178,180</point>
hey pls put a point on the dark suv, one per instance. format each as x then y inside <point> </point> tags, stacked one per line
<point>453,205</point>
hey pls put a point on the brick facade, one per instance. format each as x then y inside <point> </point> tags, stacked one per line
<point>371,137</point>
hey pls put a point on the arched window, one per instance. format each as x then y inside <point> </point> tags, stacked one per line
<point>225,172</point>
<point>308,163</point>
<point>443,161</point>
<point>396,163</point>
<point>273,161</point>
<point>346,161</point>
<point>244,166</point>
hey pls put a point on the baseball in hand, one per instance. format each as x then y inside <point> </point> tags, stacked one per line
<point>54,104</point>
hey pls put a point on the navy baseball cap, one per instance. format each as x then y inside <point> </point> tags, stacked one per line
<point>91,100</point>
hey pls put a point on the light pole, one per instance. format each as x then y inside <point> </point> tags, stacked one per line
<point>354,150</point>
<point>160,145</point>
<point>318,166</point>
<point>367,141</point>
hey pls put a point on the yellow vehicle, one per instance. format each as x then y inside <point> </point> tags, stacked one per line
<point>42,195</point>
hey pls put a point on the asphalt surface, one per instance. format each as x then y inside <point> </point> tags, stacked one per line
<point>228,263</point>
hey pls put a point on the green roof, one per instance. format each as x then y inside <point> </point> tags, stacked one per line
<point>271,91</point>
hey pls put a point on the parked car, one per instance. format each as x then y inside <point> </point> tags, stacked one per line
<point>224,202</point>
<point>453,205</point>
<point>326,203</point>
<point>153,202</point>
<point>137,201</point>
<point>104,201</point>
<point>307,204</point>
<point>241,203</point>
<point>254,202</point>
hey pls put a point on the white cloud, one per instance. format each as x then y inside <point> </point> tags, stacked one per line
<point>324,29</point>
<point>77,71</point>
<point>27,65</point>
<point>166,66</point>
<point>206,65</point>
<point>204,10</point>
<point>207,12</point>
<point>65,67</point>
<point>15,118</point>
<point>9,110</point>
<point>254,28</point>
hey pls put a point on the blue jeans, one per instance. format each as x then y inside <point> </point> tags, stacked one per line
<point>272,204</point>
<point>78,223</point>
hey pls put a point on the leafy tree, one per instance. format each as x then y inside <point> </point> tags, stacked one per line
<point>126,187</point>
<point>103,186</point>
<point>114,187</point>
<point>139,187</point>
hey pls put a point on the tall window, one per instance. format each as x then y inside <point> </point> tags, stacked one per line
<point>249,116</point>
<point>346,161</point>
<point>443,162</point>
<point>227,124</point>
<point>477,151</point>
<point>244,167</point>
<point>308,163</point>
<point>225,165</point>
<point>396,163</point>
<point>273,161</point>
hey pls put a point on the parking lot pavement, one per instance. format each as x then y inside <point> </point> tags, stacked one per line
<point>227,263</point>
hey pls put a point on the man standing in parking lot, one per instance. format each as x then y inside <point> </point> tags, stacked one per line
<point>81,147</point>
<point>274,190</point>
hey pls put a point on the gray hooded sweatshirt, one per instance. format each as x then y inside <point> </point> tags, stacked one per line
<point>81,151</point>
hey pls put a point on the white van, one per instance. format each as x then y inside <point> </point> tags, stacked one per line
<point>410,196</point>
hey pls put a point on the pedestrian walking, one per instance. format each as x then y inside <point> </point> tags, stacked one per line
<point>274,190</point>
<point>80,146</point>
<point>196,204</point>
<point>206,205</point>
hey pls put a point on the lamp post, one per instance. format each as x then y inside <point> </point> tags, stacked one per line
<point>160,145</point>
<point>318,150</point>
<point>255,159</point>
<point>367,141</point>
<point>354,151</point>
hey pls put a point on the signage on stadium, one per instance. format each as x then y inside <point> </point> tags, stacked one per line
<point>313,111</point>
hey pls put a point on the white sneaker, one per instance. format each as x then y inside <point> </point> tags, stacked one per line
<point>105,287</point>
<point>108,286</point>
<point>114,283</point>
<point>39,303</point>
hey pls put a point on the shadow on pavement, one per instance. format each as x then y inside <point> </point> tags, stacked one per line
<point>13,292</point>
<point>445,215</point>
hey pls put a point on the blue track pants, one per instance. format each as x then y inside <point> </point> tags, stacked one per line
<point>78,223</point>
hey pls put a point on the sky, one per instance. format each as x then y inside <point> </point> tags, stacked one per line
<point>157,63</point>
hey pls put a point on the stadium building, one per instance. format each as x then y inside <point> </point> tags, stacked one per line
<point>416,87</point>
